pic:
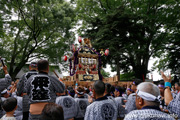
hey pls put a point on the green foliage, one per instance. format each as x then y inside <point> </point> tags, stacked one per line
<point>1,73</point>
<point>127,76</point>
<point>169,55</point>
<point>105,74</point>
<point>132,30</point>
<point>34,30</point>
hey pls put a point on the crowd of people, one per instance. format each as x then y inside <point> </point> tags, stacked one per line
<point>39,96</point>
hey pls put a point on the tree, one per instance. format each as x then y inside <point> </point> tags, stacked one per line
<point>131,29</point>
<point>35,29</point>
<point>169,56</point>
<point>104,73</point>
<point>127,76</point>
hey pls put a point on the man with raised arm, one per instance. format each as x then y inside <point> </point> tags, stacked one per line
<point>4,83</point>
<point>172,103</point>
<point>147,102</point>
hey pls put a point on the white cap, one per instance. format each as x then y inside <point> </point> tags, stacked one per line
<point>4,91</point>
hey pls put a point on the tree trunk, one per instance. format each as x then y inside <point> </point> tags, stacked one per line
<point>141,70</point>
<point>11,68</point>
<point>118,69</point>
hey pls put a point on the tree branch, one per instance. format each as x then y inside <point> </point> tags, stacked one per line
<point>22,13</point>
<point>47,38</point>
<point>108,4</point>
<point>29,39</point>
<point>102,6</point>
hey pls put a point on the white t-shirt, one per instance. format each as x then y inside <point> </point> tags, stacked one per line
<point>7,118</point>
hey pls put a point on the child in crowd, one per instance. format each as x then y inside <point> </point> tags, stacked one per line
<point>52,111</point>
<point>9,105</point>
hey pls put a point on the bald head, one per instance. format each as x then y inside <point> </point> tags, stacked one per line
<point>149,88</point>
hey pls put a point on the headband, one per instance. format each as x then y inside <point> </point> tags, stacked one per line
<point>161,86</point>
<point>70,93</point>
<point>117,90</point>
<point>4,91</point>
<point>134,83</point>
<point>129,89</point>
<point>80,93</point>
<point>112,93</point>
<point>148,96</point>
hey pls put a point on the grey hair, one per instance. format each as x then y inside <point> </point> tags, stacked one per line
<point>151,89</point>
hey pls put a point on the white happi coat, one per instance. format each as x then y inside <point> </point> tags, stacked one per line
<point>147,114</point>
<point>101,109</point>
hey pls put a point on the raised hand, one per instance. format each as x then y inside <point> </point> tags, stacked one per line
<point>5,69</point>
<point>165,78</point>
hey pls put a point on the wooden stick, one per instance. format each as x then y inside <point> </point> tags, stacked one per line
<point>2,62</point>
<point>56,74</point>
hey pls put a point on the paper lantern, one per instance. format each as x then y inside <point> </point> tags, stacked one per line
<point>73,48</point>
<point>79,39</point>
<point>65,58</point>
<point>106,52</point>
